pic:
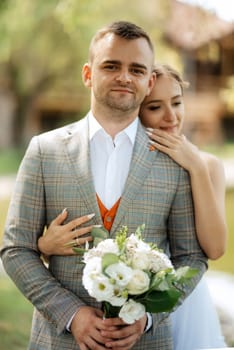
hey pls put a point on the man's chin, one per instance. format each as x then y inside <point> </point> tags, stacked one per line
<point>123,106</point>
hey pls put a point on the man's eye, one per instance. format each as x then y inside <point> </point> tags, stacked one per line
<point>110,67</point>
<point>137,71</point>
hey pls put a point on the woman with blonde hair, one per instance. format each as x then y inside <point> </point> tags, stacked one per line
<point>195,322</point>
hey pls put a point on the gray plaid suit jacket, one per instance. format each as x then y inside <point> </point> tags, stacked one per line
<point>55,174</point>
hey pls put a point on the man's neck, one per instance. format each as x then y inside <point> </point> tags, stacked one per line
<point>115,122</point>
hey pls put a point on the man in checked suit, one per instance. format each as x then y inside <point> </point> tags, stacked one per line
<point>106,156</point>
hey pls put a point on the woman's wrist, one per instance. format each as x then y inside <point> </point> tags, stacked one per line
<point>42,247</point>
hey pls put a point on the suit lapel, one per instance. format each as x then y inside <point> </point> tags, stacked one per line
<point>78,152</point>
<point>141,164</point>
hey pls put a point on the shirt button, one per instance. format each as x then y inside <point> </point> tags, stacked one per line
<point>108,218</point>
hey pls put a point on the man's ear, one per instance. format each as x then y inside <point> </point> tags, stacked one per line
<point>86,75</point>
<point>151,83</point>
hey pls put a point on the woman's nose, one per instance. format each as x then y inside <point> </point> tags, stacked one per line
<point>170,114</point>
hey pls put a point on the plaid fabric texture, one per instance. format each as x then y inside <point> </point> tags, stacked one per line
<point>55,174</point>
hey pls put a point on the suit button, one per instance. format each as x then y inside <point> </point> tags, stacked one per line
<point>108,218</point>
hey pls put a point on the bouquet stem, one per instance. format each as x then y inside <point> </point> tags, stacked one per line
<point>109,310</point>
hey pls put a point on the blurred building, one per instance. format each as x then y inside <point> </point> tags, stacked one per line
<point>206,45</point>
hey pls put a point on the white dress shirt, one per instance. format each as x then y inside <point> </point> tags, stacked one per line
<point>110,162</point>
<point>110,159</point>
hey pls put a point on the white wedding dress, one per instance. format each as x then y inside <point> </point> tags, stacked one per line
<point>195,324</point>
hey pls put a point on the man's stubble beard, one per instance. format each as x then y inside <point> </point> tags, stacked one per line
<point>118,105</point>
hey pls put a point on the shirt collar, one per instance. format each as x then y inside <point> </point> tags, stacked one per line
<point>95,127</point>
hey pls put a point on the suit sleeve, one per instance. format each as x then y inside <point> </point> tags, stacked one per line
<point>25,223</point>
<point>184,246</point>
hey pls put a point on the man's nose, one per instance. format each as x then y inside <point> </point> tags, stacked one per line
<point>124,76</point>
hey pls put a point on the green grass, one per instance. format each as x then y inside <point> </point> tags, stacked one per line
<point>15,317</point>
<point>10,160</point>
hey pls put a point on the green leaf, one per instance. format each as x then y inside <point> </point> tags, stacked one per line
<point>163,285</point>
<point>160,301</point>
<point>79,250</point>
<point>109,259</point>
<point>99,234</point>
<point>163,280</point>
<point>140,230</point>
<point>97,240</point>
<point>185,273</point>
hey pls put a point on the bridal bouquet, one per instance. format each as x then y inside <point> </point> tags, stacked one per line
<point>130,276</point>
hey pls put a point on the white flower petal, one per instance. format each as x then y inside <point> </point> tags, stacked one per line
<point>119,272</point>
<point>131,311</point>
<point>139,283</point>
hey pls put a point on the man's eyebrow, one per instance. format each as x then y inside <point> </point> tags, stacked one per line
<point>133,64</point>
<point>112,62</point>
<point>138,65</point>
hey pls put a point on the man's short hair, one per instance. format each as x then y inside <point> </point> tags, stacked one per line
<point>123,29</point>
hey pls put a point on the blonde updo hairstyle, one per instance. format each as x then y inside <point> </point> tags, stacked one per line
<point>165,69</point>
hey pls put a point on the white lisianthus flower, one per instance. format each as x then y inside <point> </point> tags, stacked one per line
<point>102,289</point>
<point>92,270</point>
<point>159,261</point>
<point>120,273</point>
<point>139,282</point>
<point>131,311</point>
<point>119,298</point>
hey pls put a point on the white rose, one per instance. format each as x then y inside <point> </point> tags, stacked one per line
<point>132,241</point>
<point>139,283</point>
<point>159,261</point>
<point>91,254</point>
<point>119,272</point>
<point>140,260</point>
<point>131,311</point>
<point>106,246</point>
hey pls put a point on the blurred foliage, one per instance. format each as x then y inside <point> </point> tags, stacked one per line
<point>44,44</point>
<point>224,151</point>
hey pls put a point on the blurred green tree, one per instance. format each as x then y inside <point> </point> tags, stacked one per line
<point>43,44</point>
